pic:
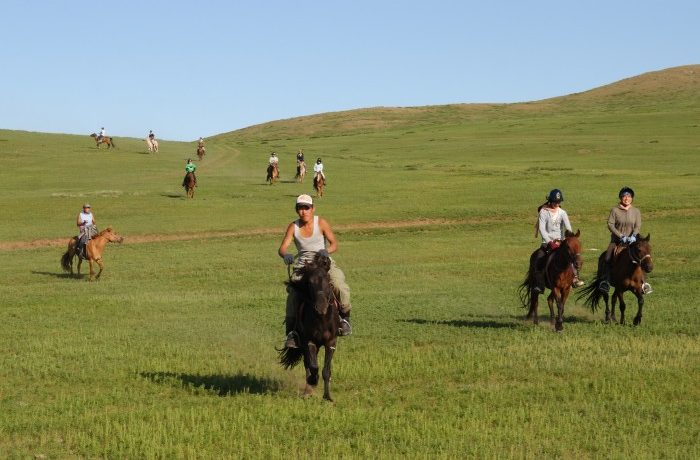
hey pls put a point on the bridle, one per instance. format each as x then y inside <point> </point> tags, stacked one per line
<point>636,259</point>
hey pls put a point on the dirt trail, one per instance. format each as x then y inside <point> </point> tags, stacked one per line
<point>151,238</point>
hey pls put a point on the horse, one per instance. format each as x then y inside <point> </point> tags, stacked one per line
<point>301,171</point>
<point>93,251</point>
<point>626,274</point>
<point>273,173</point>
<point>190,184</point>
<point>319,184</point>
<point>200,152</point>
<point>559,274</point>
<point>152,145</point>
<point>317,324</point>
<point>105,140</point>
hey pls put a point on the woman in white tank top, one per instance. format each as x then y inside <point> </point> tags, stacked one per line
<point>312,235</point>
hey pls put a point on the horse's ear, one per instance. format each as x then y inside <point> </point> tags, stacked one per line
<point>648,237</point>
<point>568,234</point>
<point>578,233</point>
<point>108,229</point>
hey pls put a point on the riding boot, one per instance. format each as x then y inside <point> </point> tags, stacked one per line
<point>345,326</point>
<point>604,285</point>
<point>539,281</point>
<point>292,340</point>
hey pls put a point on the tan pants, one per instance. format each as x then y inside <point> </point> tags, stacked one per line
<point>340,286</point>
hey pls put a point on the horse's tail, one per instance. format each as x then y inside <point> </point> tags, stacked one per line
<point>111,140</point>
<point>66,261</point>
<point>591,295</point>
<point>525,289</point>
<point>290,357</point>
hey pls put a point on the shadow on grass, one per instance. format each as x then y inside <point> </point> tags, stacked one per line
<point>58,275</point>
<point>223,385</point>
<point>172,195</point>
<point>489,324</point>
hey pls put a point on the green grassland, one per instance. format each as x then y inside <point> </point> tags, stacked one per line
<point>172,354</point>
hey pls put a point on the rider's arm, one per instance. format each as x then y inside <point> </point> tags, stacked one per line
<point>286,241</point>
<point>328,234</point>
<point>565,222</point>
<point>79,221</point>
<point>611,223</point>
<point>637,222</point>
<point>542,221</point>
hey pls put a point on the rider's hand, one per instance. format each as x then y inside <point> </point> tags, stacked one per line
<point>288,259</point>
<point>631,239</point>
<point>623,239</point>
<point>323,253</point>
<point>84,222</point>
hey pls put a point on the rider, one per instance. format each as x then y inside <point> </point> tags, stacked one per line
<point>151,136</point>
<point>189,168</point>
<point>300,157</point>
<point>273,160</point>
<point>624,224</point>
<point>318,170</point>
<point>310,235</point>
<point>200,143</point>
<point>86,223</point>
<point>552,223</point>
<point>102,134</point>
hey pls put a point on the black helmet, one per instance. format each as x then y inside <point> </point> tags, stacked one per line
<point>555,196</point>
<point>318,160</point>
<point>624,190</point>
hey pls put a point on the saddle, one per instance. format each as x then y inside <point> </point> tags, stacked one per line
<point>616,252</point>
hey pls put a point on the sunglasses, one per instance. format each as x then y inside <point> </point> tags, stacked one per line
<point>303,206</point>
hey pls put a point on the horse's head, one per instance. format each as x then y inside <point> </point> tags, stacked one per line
<point>574,247</point>
<point>319,283</point>
<point>93,135</point>
<point>640,253</point>
<point>112,237</point>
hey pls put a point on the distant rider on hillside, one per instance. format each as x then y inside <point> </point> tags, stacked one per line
<point>318,171</point>
<point>87,225</point>
<point>189,168</point>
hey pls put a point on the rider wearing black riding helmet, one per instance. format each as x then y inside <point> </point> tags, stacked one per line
<point>318,170</point>
<point>552,223</point>
<point>624,223</point>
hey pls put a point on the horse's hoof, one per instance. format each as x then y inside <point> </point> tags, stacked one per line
<point>637,321</point>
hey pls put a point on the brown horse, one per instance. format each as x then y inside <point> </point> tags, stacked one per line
<point>319,184</point>
<point>190,184</point>
<point>626,274</point>
<point>317,324</point>
<point>559,274</point>
<point>93,250</point>
<point>105,140</point>
<point>201,152</point>
<point>273,173</point>
<point>301,171</point>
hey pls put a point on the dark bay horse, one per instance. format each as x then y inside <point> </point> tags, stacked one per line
<point>319,184</point>
<point>190,184</point>
<point>559,274</point>
<point>317,324</point>
<point>273,173</point>
<point>200,152</point>
<point>626,274</point>
<point>105,140</point>
<point>93,250</point>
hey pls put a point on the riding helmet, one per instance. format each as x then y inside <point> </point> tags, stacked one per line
<point>624,190</point>
<point>318,160</point>
<point>555,196</point>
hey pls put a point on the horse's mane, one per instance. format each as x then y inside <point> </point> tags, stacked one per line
<point>106,230</point>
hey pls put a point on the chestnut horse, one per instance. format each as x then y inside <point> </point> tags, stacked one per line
<point>190,184</point>
<point>93,250</point>
<point>626,274</point>
<point>319,184</point>
<point>105,140</point>
<point>273,173</point>
<point>152,145</point>
<point>559,274</point>
<point>200,152</point>
<point>317,324</point>
<point>301,171</point>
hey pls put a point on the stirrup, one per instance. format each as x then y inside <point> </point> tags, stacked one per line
<point>577,283</point>
<point>292,340</point>
<point>604,286</point>
<point>345,327</point>
<point>646,288</point>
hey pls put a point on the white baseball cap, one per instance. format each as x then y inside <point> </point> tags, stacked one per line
<point>305,200</point>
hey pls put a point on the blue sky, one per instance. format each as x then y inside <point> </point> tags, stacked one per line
<point>190,69</point>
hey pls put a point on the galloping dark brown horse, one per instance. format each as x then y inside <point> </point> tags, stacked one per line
<point>317,324</point>
<point>559,274</point>
<point>273,173</point>
<point>104,140</point>
<point>190,184</point>
<point>93,250</point>
<point>626,274</point>
<point>319,184</point>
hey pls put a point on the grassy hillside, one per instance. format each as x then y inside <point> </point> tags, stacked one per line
<point>172,353</point>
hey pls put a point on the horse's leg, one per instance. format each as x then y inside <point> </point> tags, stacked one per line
<point>561,301</point>
<point>550,303</point>
<point>99,262</point>
<point>328,357</point>
<point>534,304</point>
<point>80,263</point>
<point>640,303</point>
<point>311,360</point>
<point>92,272</point>
<point>623,306</point>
